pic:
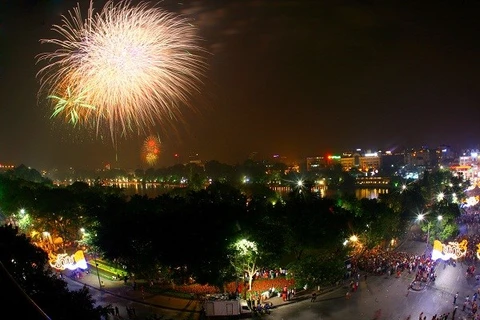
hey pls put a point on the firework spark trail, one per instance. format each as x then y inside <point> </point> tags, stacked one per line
<point>134,65</point>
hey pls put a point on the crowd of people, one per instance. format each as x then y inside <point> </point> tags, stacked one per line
<point>394,263</point>
<point>379,262</point>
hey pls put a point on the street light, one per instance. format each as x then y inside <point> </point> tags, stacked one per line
<point>421,217</point>
<point>98,273</point>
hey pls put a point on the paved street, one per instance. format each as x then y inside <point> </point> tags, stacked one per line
<point>387,297</point>
<point>380,297</point>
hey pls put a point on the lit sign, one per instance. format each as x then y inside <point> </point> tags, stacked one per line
<point>64,261</point>
<point>371,154</point>
<point>334,157</point>
<point>452,250</point>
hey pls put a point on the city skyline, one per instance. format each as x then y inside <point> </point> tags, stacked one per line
<point>297,79</point>
<point>423,155</point>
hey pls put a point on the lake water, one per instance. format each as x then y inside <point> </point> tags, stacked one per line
<point>154,190</point>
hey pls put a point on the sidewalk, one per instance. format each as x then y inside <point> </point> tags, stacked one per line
<point>125,291</point>
<point>120,289</point>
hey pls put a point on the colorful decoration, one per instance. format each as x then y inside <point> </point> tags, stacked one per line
<point>64,261</point>
<point>452,250</point>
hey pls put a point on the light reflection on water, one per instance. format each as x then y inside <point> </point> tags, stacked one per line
<point>154,190</point>
<point>370,193</point>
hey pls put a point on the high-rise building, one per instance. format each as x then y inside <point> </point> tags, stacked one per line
<point>316,163</point>
<point>419,157</point>
<point>365,162</point>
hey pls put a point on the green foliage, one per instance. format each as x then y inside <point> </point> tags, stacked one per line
<point>187,234</point>
<point>318,270</point>
<point>374,222</point>
<point>245,256</point>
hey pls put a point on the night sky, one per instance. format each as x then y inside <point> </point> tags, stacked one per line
<point>294,78</point>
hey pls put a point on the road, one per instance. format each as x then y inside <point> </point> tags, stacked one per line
<point>380,297</point>
<point>388,297</point>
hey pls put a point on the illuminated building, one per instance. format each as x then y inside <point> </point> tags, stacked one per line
<point>445,155</point>
<point>419,158</point>
<point>6,167</point>
<point>468,166</point>
<point>195,159</point>
<point>366,162</point>
<point>316,163</point>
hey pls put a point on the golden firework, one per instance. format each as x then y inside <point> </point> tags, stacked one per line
<point>125,68</point>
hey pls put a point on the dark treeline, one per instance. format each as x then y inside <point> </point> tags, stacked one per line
<point>189,233</point>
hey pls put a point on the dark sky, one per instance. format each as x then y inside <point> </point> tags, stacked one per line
<point>295,78</point>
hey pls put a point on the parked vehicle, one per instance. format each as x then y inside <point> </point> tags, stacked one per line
<point>226,308</point>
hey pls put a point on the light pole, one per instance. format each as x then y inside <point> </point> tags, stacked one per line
<point>428,233</point>
<point>421,217</point>
<point>96,265</point>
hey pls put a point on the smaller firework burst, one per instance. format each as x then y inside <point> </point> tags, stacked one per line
<point>151,149</point>
<point>72,106</point>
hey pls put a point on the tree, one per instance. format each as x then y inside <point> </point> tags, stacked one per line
<point>320,269</point>
<point>60,213</point>
<point>245,258</point>
<point>374,222</point>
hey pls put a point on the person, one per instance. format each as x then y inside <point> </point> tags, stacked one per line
<point>314,297</point>
<point>267,308</point>
<point>117,312</point>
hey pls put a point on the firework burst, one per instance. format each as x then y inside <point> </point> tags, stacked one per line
<point>122,69</point>
<point>151,149</point>
<point>72,107</point>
